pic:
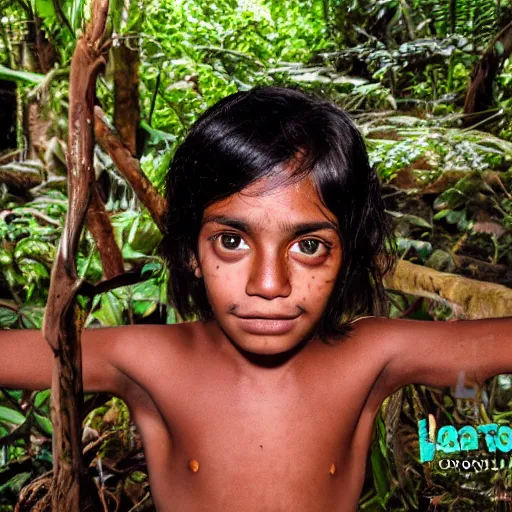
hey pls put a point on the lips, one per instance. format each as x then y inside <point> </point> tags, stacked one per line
<point>271,316</point>
<point>267,324</point>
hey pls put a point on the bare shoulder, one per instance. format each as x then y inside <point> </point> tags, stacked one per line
<point>379,339</point>
<point>131,351</point>
<point>152,342</point>
<point>370,343</point>
<point>378,332</point>
<point>404,346</point>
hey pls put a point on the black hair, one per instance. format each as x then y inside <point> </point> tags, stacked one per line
<point>247,136</point>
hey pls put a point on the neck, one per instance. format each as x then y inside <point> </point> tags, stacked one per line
<point>270,360</point>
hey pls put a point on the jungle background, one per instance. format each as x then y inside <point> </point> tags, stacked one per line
<point>429,84</point>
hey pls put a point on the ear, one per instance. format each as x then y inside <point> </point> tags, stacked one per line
<point>195,267</point>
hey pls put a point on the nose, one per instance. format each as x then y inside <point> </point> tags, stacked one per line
<point>269,277</point>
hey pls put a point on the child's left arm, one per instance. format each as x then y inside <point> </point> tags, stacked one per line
<point>435,353</point>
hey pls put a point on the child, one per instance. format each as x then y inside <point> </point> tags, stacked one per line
<point>277,242</point>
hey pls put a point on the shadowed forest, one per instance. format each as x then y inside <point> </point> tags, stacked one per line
<point>429,85</point>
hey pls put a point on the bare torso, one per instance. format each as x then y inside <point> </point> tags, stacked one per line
<point>289,438</point>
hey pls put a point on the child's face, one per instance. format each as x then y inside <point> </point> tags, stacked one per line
<point>269,257</point>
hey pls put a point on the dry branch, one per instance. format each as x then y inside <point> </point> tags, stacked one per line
<point>128,278</point>
<point>470,298</point>
<point>9,304</point>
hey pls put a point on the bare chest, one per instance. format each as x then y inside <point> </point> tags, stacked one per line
<point>218,444</point>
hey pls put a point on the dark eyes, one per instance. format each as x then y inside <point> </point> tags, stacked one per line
<point>232,242</point>
<point>308,247</point>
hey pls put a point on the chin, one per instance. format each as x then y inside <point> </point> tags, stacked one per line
<point>270,347</point>
<point>267,338</point>
<point>261,346</point>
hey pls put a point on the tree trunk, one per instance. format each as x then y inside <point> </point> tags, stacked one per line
<point>125,64</point>
<point>38,56</point>
<point>479,96</point>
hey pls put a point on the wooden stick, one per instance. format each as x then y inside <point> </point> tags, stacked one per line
<point>63,320</point>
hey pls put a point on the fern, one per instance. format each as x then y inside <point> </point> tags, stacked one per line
<point>475,19</point>
<point>485,22</point>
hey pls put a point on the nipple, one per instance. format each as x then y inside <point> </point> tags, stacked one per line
<point>333,469</point>
<point>193,465</point>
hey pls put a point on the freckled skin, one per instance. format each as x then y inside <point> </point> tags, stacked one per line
<point>217,393</point>
<point>267,270</point>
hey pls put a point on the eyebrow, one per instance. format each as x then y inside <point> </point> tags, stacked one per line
<point>293,229</point>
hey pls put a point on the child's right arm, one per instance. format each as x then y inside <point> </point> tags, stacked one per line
<point>26,359</point>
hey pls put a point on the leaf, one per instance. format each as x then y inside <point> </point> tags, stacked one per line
<point>412,219</point>
<point>8,317</point>
<point>17,394</point>
<point>171,316</point>
<point>408,121</point>
<point>76,13</point>
<point>157,136</point>
<point>45,9</point>
<point>44,423</point>
<point>5,257</point>
<point>33,270</point>
<point>146,290</point>
<point>144,308</point>
<point>24,76</point>
<point>35,248</point>
<point>15,484</point>
<point>422,248</point>
<point>455,216</point>
<point>11,416</point>
<point>380,473</point>
<point>111,310</point>
<point>441,214</point>
<point>151,269</point>
<point>130,254</point>
<point>144,236</point>
<point>41,398</point>
<point>441,260</point>
<point>451,198</point>
<point>32,317</point>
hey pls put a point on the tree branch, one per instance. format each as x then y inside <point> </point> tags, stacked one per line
<point>126,279</point>
<point>129,167</point>
<point>471,299</point>
<point>98,223</point>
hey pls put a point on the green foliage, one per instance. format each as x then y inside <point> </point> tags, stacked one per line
<point>401,68</point>
<point>25,76</point>
<point>199,52</point>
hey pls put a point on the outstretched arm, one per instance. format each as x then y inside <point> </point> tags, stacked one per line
<point>26,360</point>
<point>436,353</point>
